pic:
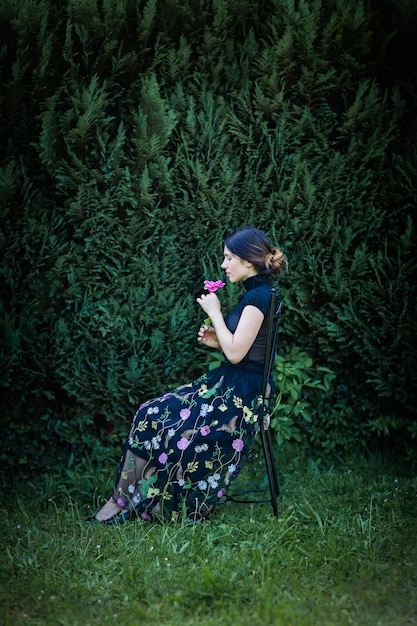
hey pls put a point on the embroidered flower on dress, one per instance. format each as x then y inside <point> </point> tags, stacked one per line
<point>205,430</point>
<point>203,390</point>
<point>155,442</point>
<point>163,458</point>
<point>213,480</point>
<point>221,493</point>
<point>181,482</point>
<point>237,444</point>
<point>206,408</point>
<point>231,469</point>
<point>183,443</point>
<point>247,414</point>
<point>152,410</point>
<point>131,489</point>
<point>202,485</point>
<point>120,501</point>
<point>201,448</point>
<point>184,413</point>
<point>237,470</point>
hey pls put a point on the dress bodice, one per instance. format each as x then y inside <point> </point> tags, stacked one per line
<point>257,293</point>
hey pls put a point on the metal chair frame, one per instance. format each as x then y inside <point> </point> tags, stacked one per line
<point>274,316</point>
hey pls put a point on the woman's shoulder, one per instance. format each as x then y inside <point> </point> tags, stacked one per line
<point>259,297</point>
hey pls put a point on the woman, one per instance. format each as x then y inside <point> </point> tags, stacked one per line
<point>186,447</point>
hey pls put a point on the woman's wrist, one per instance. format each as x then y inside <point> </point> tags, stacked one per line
<point>215,317</point>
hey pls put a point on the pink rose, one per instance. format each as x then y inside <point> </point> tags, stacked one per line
<point>184,413</point>
<point>183,443</point>
<point>205,430</point>
<point>237,444</point>
<point>163,458</point>
<point>213,285</point>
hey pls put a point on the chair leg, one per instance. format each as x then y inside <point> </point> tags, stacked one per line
<point>273,488</point>
<point>270,468</point>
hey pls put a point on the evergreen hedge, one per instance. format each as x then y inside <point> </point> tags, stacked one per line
<point>135,135</point>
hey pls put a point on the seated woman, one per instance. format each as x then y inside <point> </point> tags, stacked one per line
<point>186,447</point>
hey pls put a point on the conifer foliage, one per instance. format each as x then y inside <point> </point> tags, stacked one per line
<point>134,136</point>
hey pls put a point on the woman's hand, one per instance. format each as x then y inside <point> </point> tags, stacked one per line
<point>207,335</point>
<point>210,303</point>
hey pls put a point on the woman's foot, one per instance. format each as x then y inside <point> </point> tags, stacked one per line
<point>109,510</point>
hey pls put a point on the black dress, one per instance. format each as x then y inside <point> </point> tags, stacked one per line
<point>186,447</point>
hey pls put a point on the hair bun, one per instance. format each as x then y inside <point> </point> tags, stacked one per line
<point>276,261</point>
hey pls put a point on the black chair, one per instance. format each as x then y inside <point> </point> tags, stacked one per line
<point>274,316</point>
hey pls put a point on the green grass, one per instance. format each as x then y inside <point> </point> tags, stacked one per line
<point>343,551</point>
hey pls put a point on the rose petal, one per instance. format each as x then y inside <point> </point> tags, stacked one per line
<point>213,285</point>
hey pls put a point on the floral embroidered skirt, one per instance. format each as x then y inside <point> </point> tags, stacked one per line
<point>186,447</point>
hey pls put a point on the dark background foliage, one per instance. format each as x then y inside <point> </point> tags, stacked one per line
<point>134,136</point>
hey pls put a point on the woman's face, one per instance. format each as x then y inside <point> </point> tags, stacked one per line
<point>236,269</point>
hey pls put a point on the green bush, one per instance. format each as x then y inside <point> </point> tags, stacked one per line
<point>135,136</point>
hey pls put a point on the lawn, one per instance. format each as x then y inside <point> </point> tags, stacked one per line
<point>343,551</point>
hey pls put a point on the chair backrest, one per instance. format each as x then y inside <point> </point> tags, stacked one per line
<point>274,316</point>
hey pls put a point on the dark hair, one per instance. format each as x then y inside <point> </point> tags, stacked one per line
<point>251,244</point>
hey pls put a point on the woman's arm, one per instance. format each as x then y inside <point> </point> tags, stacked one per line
<point>234,345</point>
